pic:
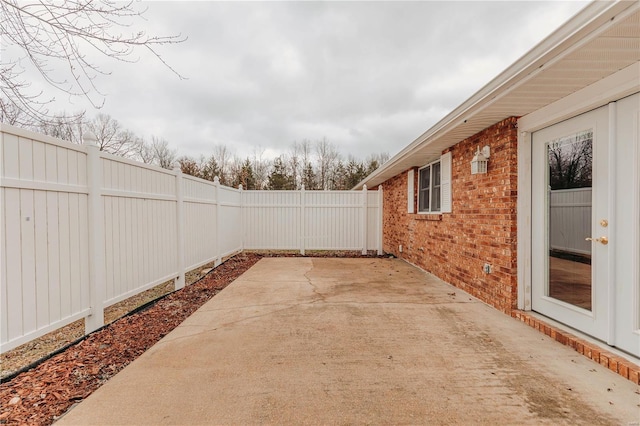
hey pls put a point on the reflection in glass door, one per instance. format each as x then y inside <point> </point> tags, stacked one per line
<point>569,173</point>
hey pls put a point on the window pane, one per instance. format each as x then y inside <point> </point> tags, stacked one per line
<point>423,193</point>
<point>436,174</point>
<point>569,212</point>
<point>435,190</point>
<point>435,200</point>
<point>424,200</point>
<point>425,176</point>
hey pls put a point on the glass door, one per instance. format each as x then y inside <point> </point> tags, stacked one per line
<point>570,224</point>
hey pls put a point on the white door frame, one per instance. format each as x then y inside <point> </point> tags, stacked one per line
<point>595,320</point>
<point>609,89</point>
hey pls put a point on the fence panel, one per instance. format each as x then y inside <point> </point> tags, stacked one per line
<point>333,220</point>
<point>311,220</point>
<point>43,201</point>
<point>201,212</point>
<point>140,227</point>
<point>271,219</point>
<point>230,221</point>
<point>374,221</point>
<point>570,220</point>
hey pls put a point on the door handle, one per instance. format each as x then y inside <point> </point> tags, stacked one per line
<point>602,240</point>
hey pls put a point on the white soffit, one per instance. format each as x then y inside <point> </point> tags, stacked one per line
<point>599,41</point>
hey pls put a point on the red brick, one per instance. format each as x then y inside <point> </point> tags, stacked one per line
<point>613,364</point>
<point>623,370</point>
<point>634,375</point>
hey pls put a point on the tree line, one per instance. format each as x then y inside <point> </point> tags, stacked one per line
<point>316,165</point>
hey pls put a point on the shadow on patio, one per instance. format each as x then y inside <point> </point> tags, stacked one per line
<point>302,340</point>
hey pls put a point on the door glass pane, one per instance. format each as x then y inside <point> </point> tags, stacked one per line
<point>570,161</point>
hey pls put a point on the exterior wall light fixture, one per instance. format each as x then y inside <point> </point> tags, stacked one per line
<point>480,161</point>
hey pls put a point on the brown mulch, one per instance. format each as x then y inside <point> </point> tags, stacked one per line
<point>31,352</point>
<point>42,394</point>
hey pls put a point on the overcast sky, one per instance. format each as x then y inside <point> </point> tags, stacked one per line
<point>368,76</point>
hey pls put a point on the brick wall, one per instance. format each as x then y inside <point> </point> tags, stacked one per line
<point>481,228</point>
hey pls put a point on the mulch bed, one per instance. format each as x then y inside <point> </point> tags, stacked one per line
<point>42,394</point>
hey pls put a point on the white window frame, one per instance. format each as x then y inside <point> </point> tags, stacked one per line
<point>410,193</point>
<point>430,166</point>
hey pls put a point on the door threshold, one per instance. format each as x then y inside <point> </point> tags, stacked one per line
<point>622,363</point>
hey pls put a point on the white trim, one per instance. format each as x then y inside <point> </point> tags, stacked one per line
<point>446,190</point>
<point>636,230</point>
<point>611,252</point>
<point>411,208</point>
<point>524,221</point>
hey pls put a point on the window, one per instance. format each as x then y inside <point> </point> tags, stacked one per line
<point>429,188</point>
<point>434,187</point>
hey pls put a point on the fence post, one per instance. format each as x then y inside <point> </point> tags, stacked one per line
<point>242,219</point>
<point>95,207</point>
<point>216,183</point>
<point>179,281</point>
<point>380,220</point>
<point>365,215</point>
<point>303,226</point>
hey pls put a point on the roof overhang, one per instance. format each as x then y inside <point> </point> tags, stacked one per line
<point>600,40</point>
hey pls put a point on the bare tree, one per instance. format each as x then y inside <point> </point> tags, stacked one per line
<point>111,137</point>
<point>571,161</point>
<point>222,156</point>
<point>163,156</point>
<point>260,168</point>
<point>55,39</point>
<point>144,151</point>
<point>306,151</point>
<point>11,114</point>
<point>292,162</point>
<point>327,158</point>
<point>63,126</point>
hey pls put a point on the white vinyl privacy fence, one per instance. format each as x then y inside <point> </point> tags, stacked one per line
<point>312,220</point>
<point>81,229</point>
<point>570,220</point>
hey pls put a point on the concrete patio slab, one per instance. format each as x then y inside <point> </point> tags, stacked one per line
<point>342,341</point>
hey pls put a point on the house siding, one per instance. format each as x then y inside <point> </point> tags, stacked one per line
<point>480,229</point>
